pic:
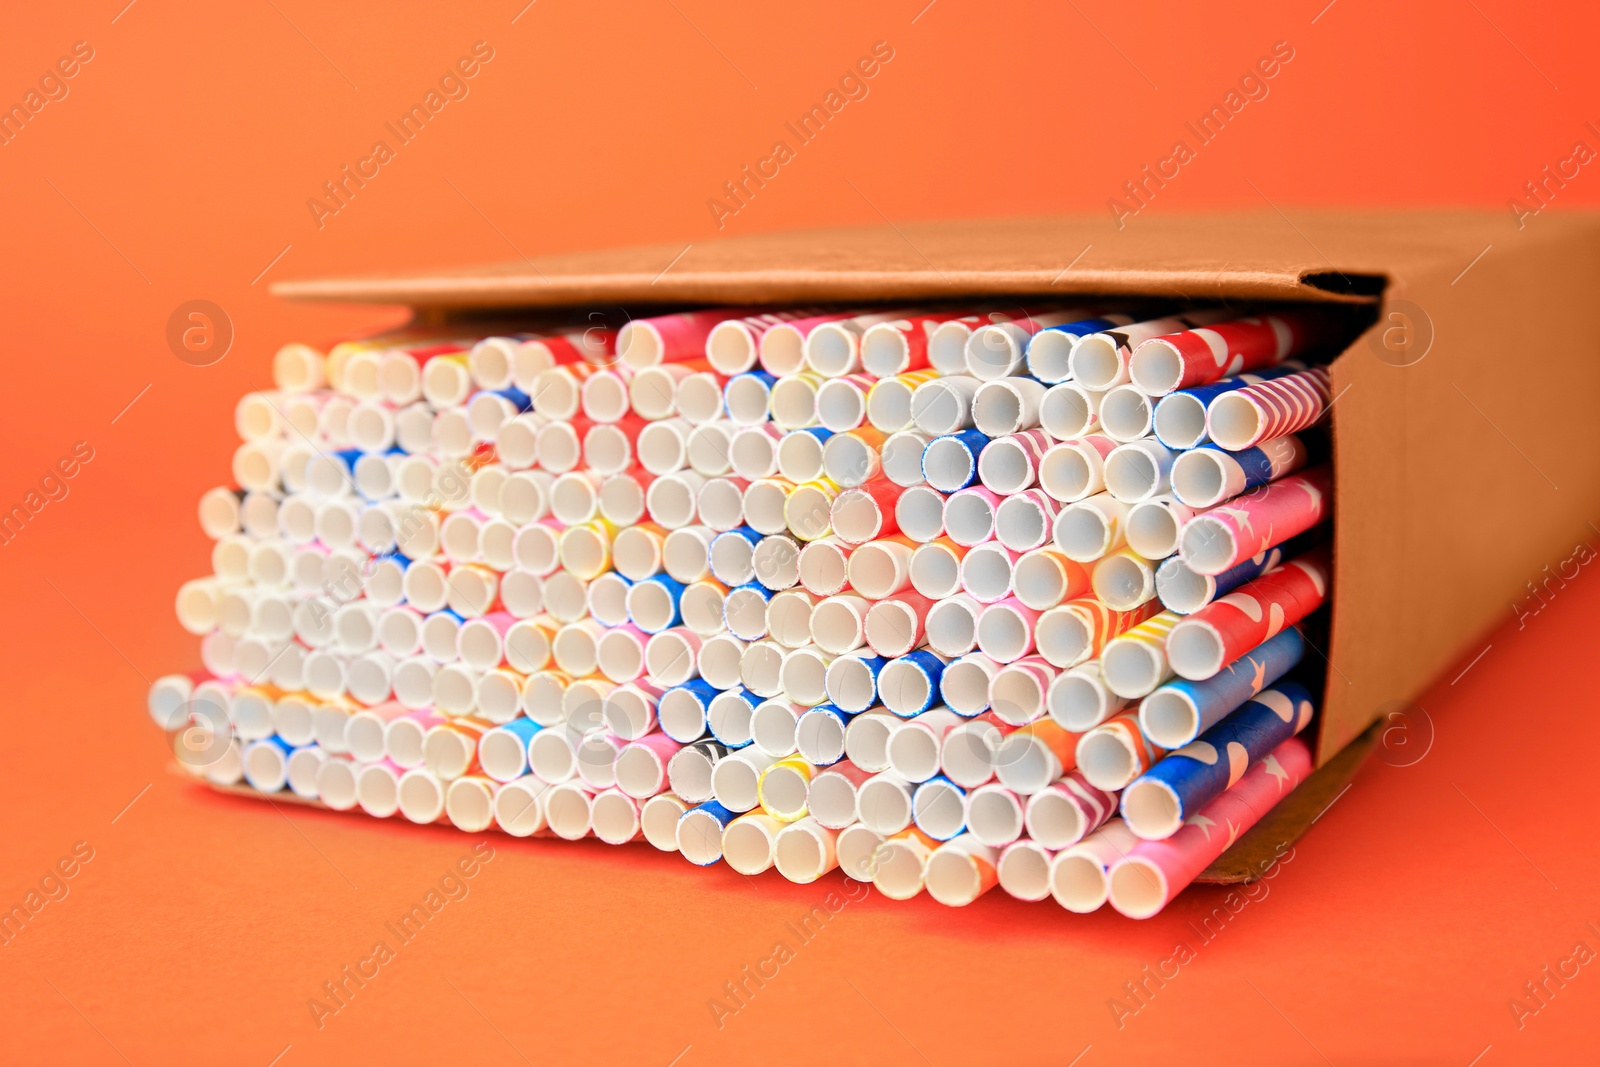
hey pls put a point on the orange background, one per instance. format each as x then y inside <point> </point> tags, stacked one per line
<point>179,166</point>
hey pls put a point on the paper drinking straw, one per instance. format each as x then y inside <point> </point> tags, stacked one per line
<point>1068,811</point>
<point>1024,870</point>
<point>782,788</point>
<point>897,346</point>
<point>1101,360</point>
<point>615,817</point>
<point>1079,629</point>
<point>335,783</point>
<point>950,462</point>
<point>1220,350</point>
<point>720,503</point>
<point>782,345</point>
<point>748,398</point>
<point>969,515</point>
<point>699,397</point>
<point>936,568</point>
<point>851,681</point>
<point>745,611</point>
<point>670,656</point>
<point>794,401</point>
<point>1208,475</point>
<point>603,397</point>
<point>1180,417</point>
<point>866,739</point>
<point>1050,350</point>
<point>819,734</point>
<point>1231,533</point>
<point>422,797</point>
<point>901,457</point>
<point>913,751</point>
<point>1153,872</point>
<point>1135,662</point>
<point>800,454</point>
<point>832,794</point>
<point>1123,580</point>
<point>569,810</point>
<point>889,401</point>
<point>721,659</point>
<point>1032,756</point>
<point>1139,470</point>
<point>689,770</point>
<point>881,568</point>
<point>1090,528</point>
<point>774,727</point>
<point>1011,463</point>
<point>988,572</point>
<point>943,406</point>
<point>1242,419</point>
<point>378,789</point>
<point>806,511</point>
<point>298,368</point>
<point>1115,753</point>
<point>749,841</point>
<point>1156,804</point>
<point>1153,526</point>
<point>968,752</point>
<point>1126,413</point>
<point>219,512</point>
<point>1080,874</point>
<point>732,346</point>
<point>469,803</point>
<point>866,512</point>
<point>803,674</point>
<point>519,806</point>
<point>788,617</point>
<point>965,684</point>
<point>998,349</point>
<point>898,864</point>
<point>735,778</point>
<point>1007,406</point>
<point>1018,691</point>
<point>952,625</point>
<point>919,513</point>
<point>658,820</point>
<point>895,625</point>
<point>842,401</point>
<point>884,803</point>
<point>764,503</point>
<point>1068,411</point>
<point>266,765</point>
<point>1044,578</point>
<point>761,668</point>
<point>1025,521</point>
<point>1079,699</point>
<point>960,871</point>
<point>839,624</point>
<point>994,815</point>
<point>1006,630</point>
<point>728,716</point>
<point>805,850</point>
<point>1222,631</point>
<point>1180,711</point>
<point>503,751</point>
<point>498,696</point>
<point>939,808</point>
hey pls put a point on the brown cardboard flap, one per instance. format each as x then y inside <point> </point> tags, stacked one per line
<point>1255,256</point>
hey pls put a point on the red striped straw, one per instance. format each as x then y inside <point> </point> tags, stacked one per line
<point>1210,353</point>
<point>866,512</point>
<point>1273,408</point>
<point>1253,522</point>
<point>1024,521</point>
<point>734,345</point>
<point>895,624</point>
<point>901,345</point>
<point>783,345</point>
<point>1079,629</point>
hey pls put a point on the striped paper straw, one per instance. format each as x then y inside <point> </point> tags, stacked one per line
<point>1222,631</point>
<point>1256,413</point>
<point>1178,712</point>
<point>1180,417</point>
<point>1207,354</point>
<point>1231,533</point>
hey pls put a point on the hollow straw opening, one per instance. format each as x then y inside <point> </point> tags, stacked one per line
<point>721,504</point>
<point>952,878</point>
<point>866,741</point>
<point>1077,882</point>
<point>336,784</point>
<point>1131,474</point>
<point>1152,530</point>
<point>849,684</point>
<point>782,349</point>
<point>519,807</point>
<point>841,406</point>
<point>899,870</point>
<point>1067,411</point>
<point>378,791</point>
<point>569,811</point>
<point>819,738</point>
<point>935,571</point>
<point>1195,650</point>
<point>964,686</point>
<point>884,805</point>
<point>747,846</point>
<point>1199,477</point>
<point>639,344</point>
<point>1125,413</point>
<point>1233,421</point>
<point>892,628</point>
<point>969,519</point>
<point>1151,809</point>
<point>1017,695</point>
<point>1054,821</point>
<point>837,626</point>
<point>266,767</point>
<point>734,782</point>
<point>784,790</point>
<point>856,517</point>
<point>658,819</point>
<point>1106,761</point>
<point>689,771</point>
<point>904,687</point>
<point>1040,580</point>
<point>920,513</point>
<point>615,818</point>
<point>994,817</point>
<point>720,657</point>
<point>1024,871</point>
<point>1180,420</point>
<point>1082,533</point>
<point>447,753</point>
<point>551,755</point>
<point>997,409</point>
<point>884,350</point>
<point>1157,367</point>
<point>1003,633</point>
<point>794,403</point>
<point>807,512</point>
<point>952,628</point>
<point>829,349</point>
<point>1048,355</point>
<point>804,676</point>
<point>1137,887</point>
<point>1021,524</point>
<point>800,457</point>
<point>914,754</point>
<point>764,506</point>
<point>1003,467</point>
<point>802,854</point>
<point>901,457</point>
<point>748,399</point>
<point>832,800</point>
<point>947,464</point>
<point>1094,361</point>
<point>605,397</point>
<point>421,797</point>
<point>731,347</point>
<point>573,499</point>
<point>745,612</point>
<point>699,398</point>
<point>761,668</point>
<point>773,727</point>
<point>651,606</point>
<point>1122,583</point>
<point>986,573</point>
<point>707,449</point>
<point>1169,718</point>
<point>1025,764</point>
<point>789,619</point>
<point>503,755</point>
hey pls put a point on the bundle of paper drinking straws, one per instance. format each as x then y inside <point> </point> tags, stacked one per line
<point>946,598</point>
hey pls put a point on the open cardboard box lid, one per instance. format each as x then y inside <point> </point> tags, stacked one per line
<point>1463,421</point>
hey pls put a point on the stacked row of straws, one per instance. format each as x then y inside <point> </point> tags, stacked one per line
<point>945,598</point>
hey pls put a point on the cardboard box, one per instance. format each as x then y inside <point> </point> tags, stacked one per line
<point>1463,422</point>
